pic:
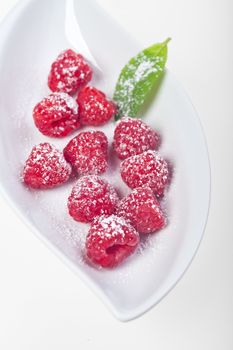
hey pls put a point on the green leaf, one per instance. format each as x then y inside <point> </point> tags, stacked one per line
<point>138,78</point>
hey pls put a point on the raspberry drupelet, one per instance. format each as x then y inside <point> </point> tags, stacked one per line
<point>56,115</point>
<point>110,240</point>
<point>45,167</point>
<point>94,107</point>
<point>142,209</point>
<point>146,169</point>
<point>69,72</point>
<point>133,136</point>
<point>87,152</point>
<point>91,197</point>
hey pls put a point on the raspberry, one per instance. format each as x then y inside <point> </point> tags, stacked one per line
<point>142,210</point>
<point>110,240</point>
<point>133,136</point>
<point>147,168</point>
<point>87,152</point>
<point>91,197</point>
<point>69,73</point>
<point>46,167</point>
<point>56,115</point>
<point>94,108</point>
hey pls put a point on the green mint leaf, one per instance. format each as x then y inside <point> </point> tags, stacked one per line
<point>138,78</point>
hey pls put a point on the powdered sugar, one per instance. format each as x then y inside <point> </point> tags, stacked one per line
<point>142,210</point>
<point>90,197</point>
<point>111,226</point>
<point>95,108</point>
<point>133,136</point>
<point>70,102</point>
<point>87,152</point>
<point>73,236</point>
<point>146,67</point>
<point>46,167</point>
<point>110,240</point>
<point>56,115</point>
<point>148,168</point>
<point>138,71</point>
<point>60,102</point>
<point>69,72</point>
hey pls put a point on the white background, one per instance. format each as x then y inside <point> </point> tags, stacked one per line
<point>43,305</point>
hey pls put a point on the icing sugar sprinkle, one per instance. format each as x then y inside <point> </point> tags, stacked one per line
<point>148,168</point>
<point>90,197</point>
<point>109,226</point>
<point>139,71</point>
<point>133,136</point>
<point>60,101</point>
<point>46,166</point>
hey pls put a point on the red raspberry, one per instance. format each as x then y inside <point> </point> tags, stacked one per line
<point>147,168</point>
<point>69,73</point>
<point>46,167</point>
<point>142,210</point>
<point>94,108</point>
<point>91,197</point>
<point>110,240</point>
<point>56,115</point>
<point>87,152</point>
<point>133,136</point>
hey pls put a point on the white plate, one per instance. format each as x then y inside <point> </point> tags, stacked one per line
<point>30,38</point>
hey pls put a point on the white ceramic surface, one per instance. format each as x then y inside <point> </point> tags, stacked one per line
<point>31,36</point>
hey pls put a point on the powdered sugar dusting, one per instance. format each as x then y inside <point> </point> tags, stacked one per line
<point>70,102</point>
<point>88,152</point>
<point>133,136</point>
<point>69,72</point>
<point>95,107</point>
<point>110,240</point>
<point>138,71</point>
<point>60,102</point>
<point>148,168</point>
<point>111,226</point>
<point>90,197</point>
<point>56,115</point>
<point>142,210</point>
<point>64,232</point>
<point>46,167</point>
<point>70,235</point>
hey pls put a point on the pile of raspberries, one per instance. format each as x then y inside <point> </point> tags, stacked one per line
<point>115,224</point>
